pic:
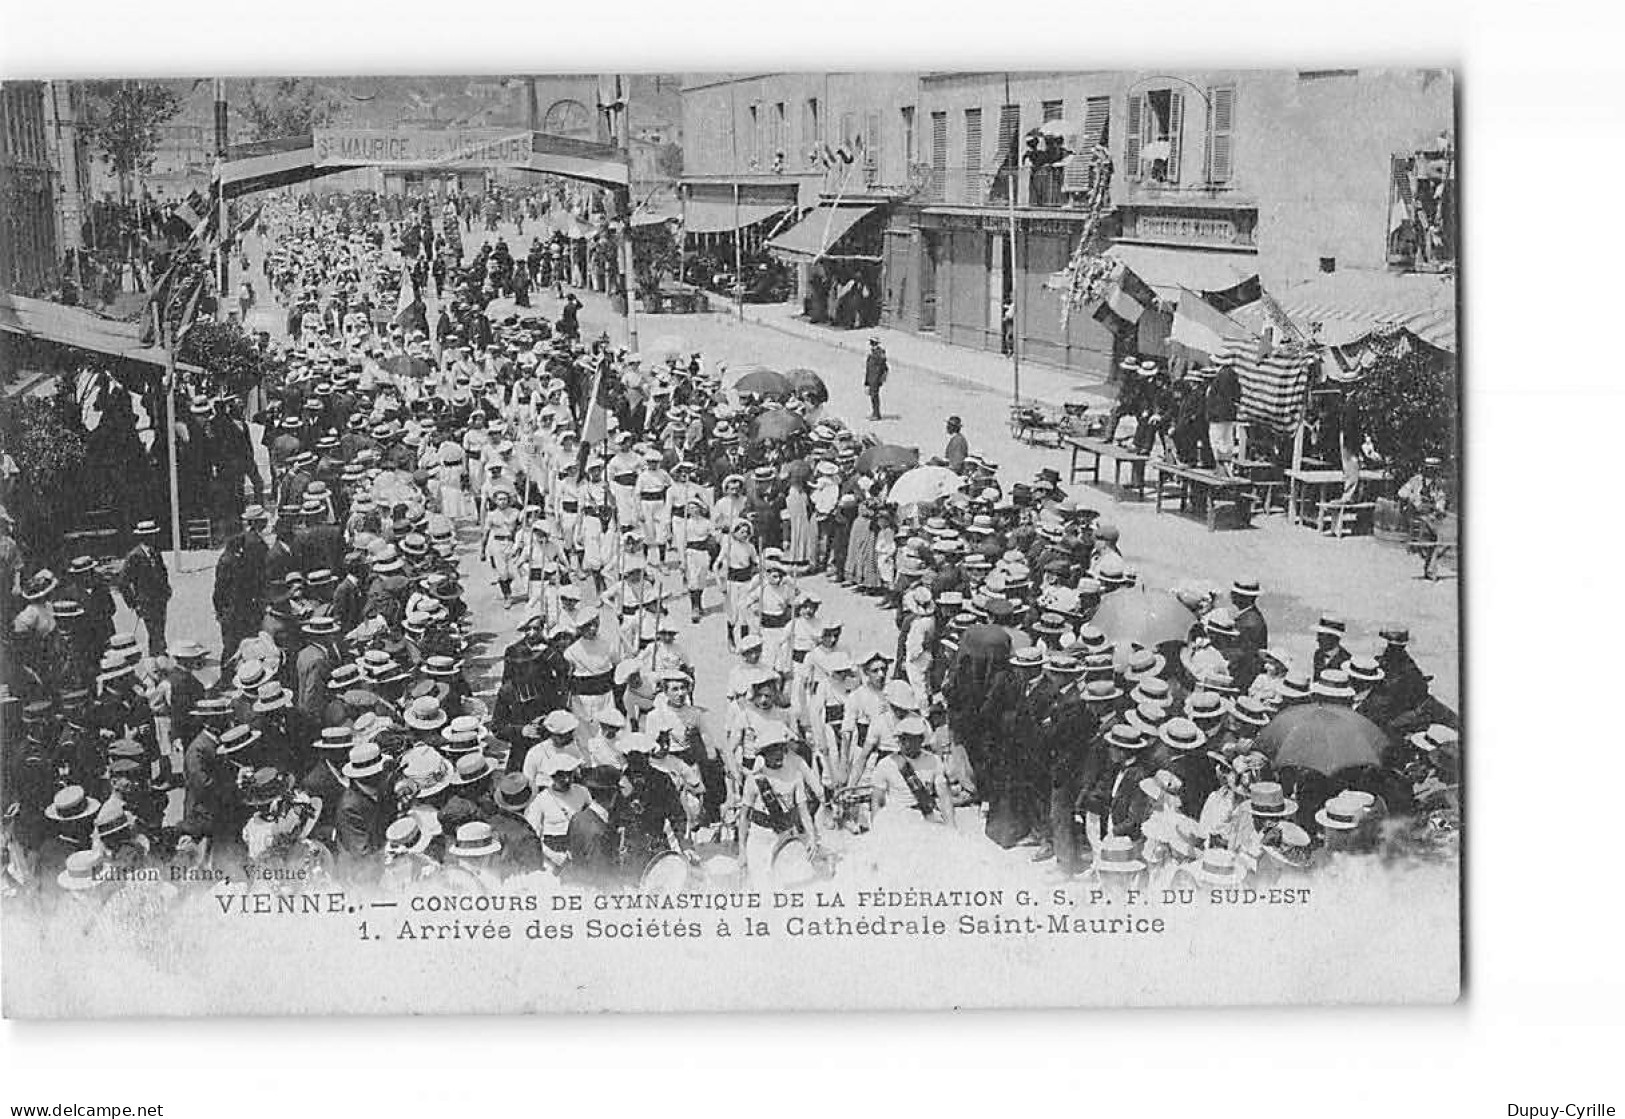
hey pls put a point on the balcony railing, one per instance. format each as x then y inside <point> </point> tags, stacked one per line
<point>1052,188</point>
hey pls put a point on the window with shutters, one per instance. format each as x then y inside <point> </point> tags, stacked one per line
<point>753,138</point>
<point>1156,124</point>
<point>1052,110</point>
<point>939,155</point>
<point>1097,113</point>
<point>911,153</point>
<point>781,132</point>
<point>1008,159</point>
<point>1221,118</point>
<point>811,137</point>
<point>871,147</point>
<point>973,153</point>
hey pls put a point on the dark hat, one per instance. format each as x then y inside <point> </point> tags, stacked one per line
<point>601,777</point>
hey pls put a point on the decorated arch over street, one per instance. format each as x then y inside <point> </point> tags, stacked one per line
<point>267,164</point>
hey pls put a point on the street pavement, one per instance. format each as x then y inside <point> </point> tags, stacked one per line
<point>1366,581</point>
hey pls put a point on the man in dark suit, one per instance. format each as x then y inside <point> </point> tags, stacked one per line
<point>875,370</point>
<point>317,544</point>
<point>594,845</point>
<point>521,846</point>
<point>1250,624</point>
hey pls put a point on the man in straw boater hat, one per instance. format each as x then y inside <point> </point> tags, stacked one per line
<point>1113,803</point>
<point>144,582</point>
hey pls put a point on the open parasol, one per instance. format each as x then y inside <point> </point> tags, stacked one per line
<point>886,454</point>
<point>924,483</point>
<point>1322,737</point>
<point>761,381</point>
<point>1144,617</point>
<point>776,423</point>
<point>405,365</point>
<point>809,384</point>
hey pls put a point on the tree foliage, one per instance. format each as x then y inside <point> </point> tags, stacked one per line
<point>657,252</point>
<point>223,351</point>
<point>51,459</point>
<point>1407,402</point>
<point>125,120</point>
<point>669,160</point>
<point>286,107</point>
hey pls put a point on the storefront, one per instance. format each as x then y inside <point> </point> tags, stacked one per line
<point>953,274</point>
<point>835,250</point>
<point>727,223</point>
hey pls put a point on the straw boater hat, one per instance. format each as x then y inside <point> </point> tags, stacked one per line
<point>1436,737</point>
<point>272,696</point>
<point>1341,813</point>
<point>82,871</point>
<point>1152,689</point>
<point>1182,734</point>
<point>1116,855</point>
<point>408,836</point>
<point>471,768</point>
<point>1270,801</point>
<point>425,714</point>
<point>1218,867</point>
<point>364,760</point>
<point>72,803</point>
<point>238,739</point>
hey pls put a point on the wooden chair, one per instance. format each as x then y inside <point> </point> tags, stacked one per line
<point>198,534</point>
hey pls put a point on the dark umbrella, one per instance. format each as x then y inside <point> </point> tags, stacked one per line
<point>1144,617</point>
<point>405,365</point>
<point>808,384</point>
<point>887,454</point>
<point>764,382</point>
<point>1323,737</point>
<point>779,423</point>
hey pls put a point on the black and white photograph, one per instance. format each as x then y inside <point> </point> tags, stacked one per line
<point>875,559</point>
<point>1003,515</point>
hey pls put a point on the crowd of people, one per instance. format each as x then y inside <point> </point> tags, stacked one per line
<point>616,501</point>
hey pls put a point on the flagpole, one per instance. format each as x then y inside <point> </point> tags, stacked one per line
<point>1013,277</point>
<point>174,469</point>
<point>222,312</point>
<point>733,144</point>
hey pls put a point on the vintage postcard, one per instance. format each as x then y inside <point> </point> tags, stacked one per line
<point>697,541</point>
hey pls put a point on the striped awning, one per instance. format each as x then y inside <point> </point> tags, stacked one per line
<point>76,327</point>
<point>1341,308</point>
<point>709,215</point>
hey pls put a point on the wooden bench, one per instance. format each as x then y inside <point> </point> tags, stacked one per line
<point>1342,518</point>
<point>1118,454</point>
<point>1203,491</point>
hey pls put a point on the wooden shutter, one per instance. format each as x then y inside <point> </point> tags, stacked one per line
<point>1052,110</point>
<point>1176,133</point>
<point>1131,137</point>
<point>939,155</point>
<point>1097,111</point>
<point>973,154</point>
<point>1221,117</point>
<point>871,141</point>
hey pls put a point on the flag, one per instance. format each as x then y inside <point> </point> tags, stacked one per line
<point>1274,382</point>
<point>595,424</point>
<point>1200,326</point>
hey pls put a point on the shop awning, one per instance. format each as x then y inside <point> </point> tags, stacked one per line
<point>74,326</point>
<point>1347,306</point>
<point>820,231</point>
<point>1198,270</point>
<point>709,215</point>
